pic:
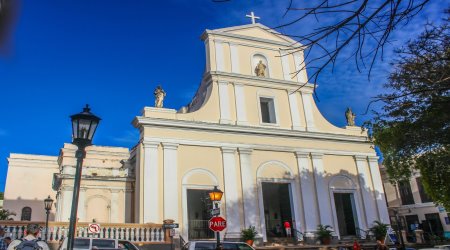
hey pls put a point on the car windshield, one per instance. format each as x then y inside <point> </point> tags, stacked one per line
<point>81,243</point>
<point>103,243</point>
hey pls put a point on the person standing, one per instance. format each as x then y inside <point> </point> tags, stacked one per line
<point>3,244</point>
<point>30,241</point>
<point>287,228</point>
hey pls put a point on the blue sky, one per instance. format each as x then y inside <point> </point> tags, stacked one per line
<point>113,53</point>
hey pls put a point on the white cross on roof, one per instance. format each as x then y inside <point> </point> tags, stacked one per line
<point>253,17</point>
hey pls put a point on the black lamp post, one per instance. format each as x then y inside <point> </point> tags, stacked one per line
<point>48,206</point>
<point>84,125</point>
<point>216,195</point>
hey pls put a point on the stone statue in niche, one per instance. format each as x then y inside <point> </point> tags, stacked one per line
<point>350,116</point>
<point>159,96</point>
<point>260,69</point>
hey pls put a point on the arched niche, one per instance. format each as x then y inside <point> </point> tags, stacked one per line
<point>256,58</point>
<point>199,176</point>
<point>98,208</point>
<point>274,170</point>
<point>342,182</point>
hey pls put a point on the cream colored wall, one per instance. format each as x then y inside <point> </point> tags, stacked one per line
<point>28,183</point>
<point>194,164</point>
<point>287,143</point>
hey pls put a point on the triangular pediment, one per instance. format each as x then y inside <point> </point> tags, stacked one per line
<point>258,31</point>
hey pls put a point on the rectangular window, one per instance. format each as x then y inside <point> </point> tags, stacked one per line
<point>405,192</point>
<point>267,110</point>
<point>423,195</point>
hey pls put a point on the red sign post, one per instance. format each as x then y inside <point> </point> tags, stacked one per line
<point>217,224</point>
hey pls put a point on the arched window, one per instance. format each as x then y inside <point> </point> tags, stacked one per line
<point>26,214</point>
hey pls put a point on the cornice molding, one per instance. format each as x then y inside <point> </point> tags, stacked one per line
<point>300,154</point>
<point>245,151</point>
<point>151,144</point>
<point>247,38</point>
<point>250,80</point>
<point>360,157</point>
<point>248,130</point>
<point>170,145</point>
<point>316,156</point>
<point>228,150</point>
<point>298,150</point>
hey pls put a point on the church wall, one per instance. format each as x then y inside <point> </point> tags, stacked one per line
<point>226,57</point>
<point>283,143</point>
<point>195,165</point>
<point>252,95</point>
<point>28,183</point>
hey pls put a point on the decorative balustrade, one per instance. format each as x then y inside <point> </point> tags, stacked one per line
<point>58,230</point>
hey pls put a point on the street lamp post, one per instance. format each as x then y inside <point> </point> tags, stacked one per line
<point>399,229</point>
<point>48,206</point>
<point>84,125</point>
<point>216,195</point>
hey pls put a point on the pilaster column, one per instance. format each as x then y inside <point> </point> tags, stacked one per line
<point>170,181</point>
<point>127,210</point>
<point>285,65</point>
<point>58,205</point>
<point>231,193</point>
<point>224,103</point>
<point>234,58</point>
<point>151,183</point>
<point>115,206</point>
<point>220,63</point>
<point>366,191</point>
<point>323,196</point>
<point>295,114</point>
<point>82,205</point>
<point>308,192</point>
<point>299,67</point>
<point>240,104</point>
<point>249,192</point>
<point>378,190</point>
<point>308,109</point>
<point>67,193</point>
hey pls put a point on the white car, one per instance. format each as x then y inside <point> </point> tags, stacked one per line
<point>211,245</point>
<point>96,243</point>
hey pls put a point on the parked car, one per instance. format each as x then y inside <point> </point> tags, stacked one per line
<point>211,245</point>
<point>95,243</point>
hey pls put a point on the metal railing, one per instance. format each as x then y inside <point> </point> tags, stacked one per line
<point>363,234</point>
<point>198,229</point>
<point>298,236</point>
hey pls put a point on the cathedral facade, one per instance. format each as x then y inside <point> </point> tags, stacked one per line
<point>254,131</point>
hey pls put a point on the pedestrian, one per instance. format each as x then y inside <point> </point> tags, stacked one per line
<point>287,228</point>
<point>30,241</point>
<point>7,240</point>
<point>381,246</point>
<point>3,245</point>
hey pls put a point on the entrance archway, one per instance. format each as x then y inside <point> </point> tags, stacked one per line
<point>345,206</point>
<point>278,199</point>
<point>196,184</point>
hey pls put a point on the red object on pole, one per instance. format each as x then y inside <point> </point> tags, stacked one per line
<point>217,224</point>
<point>356,246</point>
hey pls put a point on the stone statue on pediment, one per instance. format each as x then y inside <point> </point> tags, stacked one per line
<point>159,96</point>
<point>350,116</point>
<point>260,69</point>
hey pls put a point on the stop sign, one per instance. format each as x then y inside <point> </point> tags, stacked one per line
<point>217,224</point>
